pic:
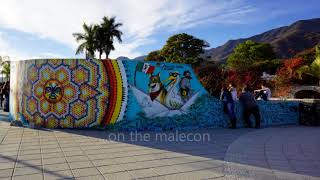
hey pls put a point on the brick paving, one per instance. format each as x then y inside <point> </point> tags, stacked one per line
<point>272,153</point>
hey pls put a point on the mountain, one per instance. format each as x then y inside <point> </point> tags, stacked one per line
<point>286,40</point>
<point>139,58</point>
<point>122,58</point>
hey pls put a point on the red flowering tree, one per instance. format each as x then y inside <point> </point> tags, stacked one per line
<point>212,77</point>
<point>286,75</point>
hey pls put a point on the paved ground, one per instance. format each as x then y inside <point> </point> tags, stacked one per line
<point>271,153</point>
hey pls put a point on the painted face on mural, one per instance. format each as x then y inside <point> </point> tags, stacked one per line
<point>154,83</point>
<point>53,91</point>
<point>187,74</point>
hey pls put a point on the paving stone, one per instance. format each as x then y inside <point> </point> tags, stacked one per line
<point>166,170</point>
<point>52,155</point>
<point>33,162</point>
<point>95,177</point>
<point>27,152</point>
<point>54,160</point>
<point>143,173</point>
<point>51,150</point>
<point>6,173</point>
<point>111,169</point>
<point>6,165</point>
<point>52,175</point>
<point>5,178</point>
<point>56,167</point>
<point>85,172</point>
<point>5,159</point>
<point>73,153</point>
<point>77,158</point>
<point>27,170</point>
<point>29,177</point>
<point>104,162</point>
<point>29,157</point>
<point>82,164</point>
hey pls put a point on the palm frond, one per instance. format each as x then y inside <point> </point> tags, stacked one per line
<point>81,48</point>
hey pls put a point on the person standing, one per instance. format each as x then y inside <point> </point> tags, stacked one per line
<point>228,106</point>
<point>1,95</point>
<point>250,106</point>
<point>6,92</point>
<point>233,91</point>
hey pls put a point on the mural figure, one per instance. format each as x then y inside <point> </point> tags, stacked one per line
<point>166,92</point>
<point>173,100</point>
<point>53,91</point>
<point>156,89</point>
<point>185,86</point>
<point>172,95</point>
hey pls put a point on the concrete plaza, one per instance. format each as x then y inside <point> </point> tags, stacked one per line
<point>287,152</point>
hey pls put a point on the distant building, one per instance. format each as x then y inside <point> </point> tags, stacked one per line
<point>267,77</point>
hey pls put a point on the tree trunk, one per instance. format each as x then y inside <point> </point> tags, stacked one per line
<point>107,55</point>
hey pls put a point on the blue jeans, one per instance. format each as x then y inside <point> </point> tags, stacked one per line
<point>231,113</point>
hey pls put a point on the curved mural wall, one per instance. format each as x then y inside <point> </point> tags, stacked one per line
<point>124,95</point>
<point>79,93</point>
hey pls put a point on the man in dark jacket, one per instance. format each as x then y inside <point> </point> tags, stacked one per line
<point>250,106</point>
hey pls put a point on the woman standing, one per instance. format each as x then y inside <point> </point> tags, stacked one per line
<point>228,106</point>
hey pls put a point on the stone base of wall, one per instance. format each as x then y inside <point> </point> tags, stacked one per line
<point>207,112</point>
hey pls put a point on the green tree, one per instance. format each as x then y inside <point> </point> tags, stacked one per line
<point>108,31</point>
<point>183,48</point>
<point>246,54</point>
<point>87,40</point>
<point>313,69</point>
<point>5,66</point>
<point>154,56</point>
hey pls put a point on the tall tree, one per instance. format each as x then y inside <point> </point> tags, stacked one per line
<point>183,48</point>
<point>108,31</point>
<point>6,69</point>
<point>87,40</point>
<point>249,53</point>
<point>99,43</point>
<point>154,56</point>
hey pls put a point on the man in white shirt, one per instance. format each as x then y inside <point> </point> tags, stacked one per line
<point>263,93</point>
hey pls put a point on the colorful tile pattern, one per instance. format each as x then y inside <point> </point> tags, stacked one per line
<point>66,93</point>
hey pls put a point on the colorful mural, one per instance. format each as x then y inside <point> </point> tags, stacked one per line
<point>162,89</point>
<point>79,93</point>
<point>70,93</point>
<point>126,95</point>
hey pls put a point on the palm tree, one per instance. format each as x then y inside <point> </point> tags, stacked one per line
<point>99,40</point>
<point>87,39</point>
<point>110,30</point>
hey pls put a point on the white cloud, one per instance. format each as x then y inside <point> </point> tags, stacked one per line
<point>8,50</point>
<point>58,19</point>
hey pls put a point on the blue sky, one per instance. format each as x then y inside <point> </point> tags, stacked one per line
<point>43,29</point>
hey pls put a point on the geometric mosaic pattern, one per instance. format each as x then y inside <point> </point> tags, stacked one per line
<point>70,93</point>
